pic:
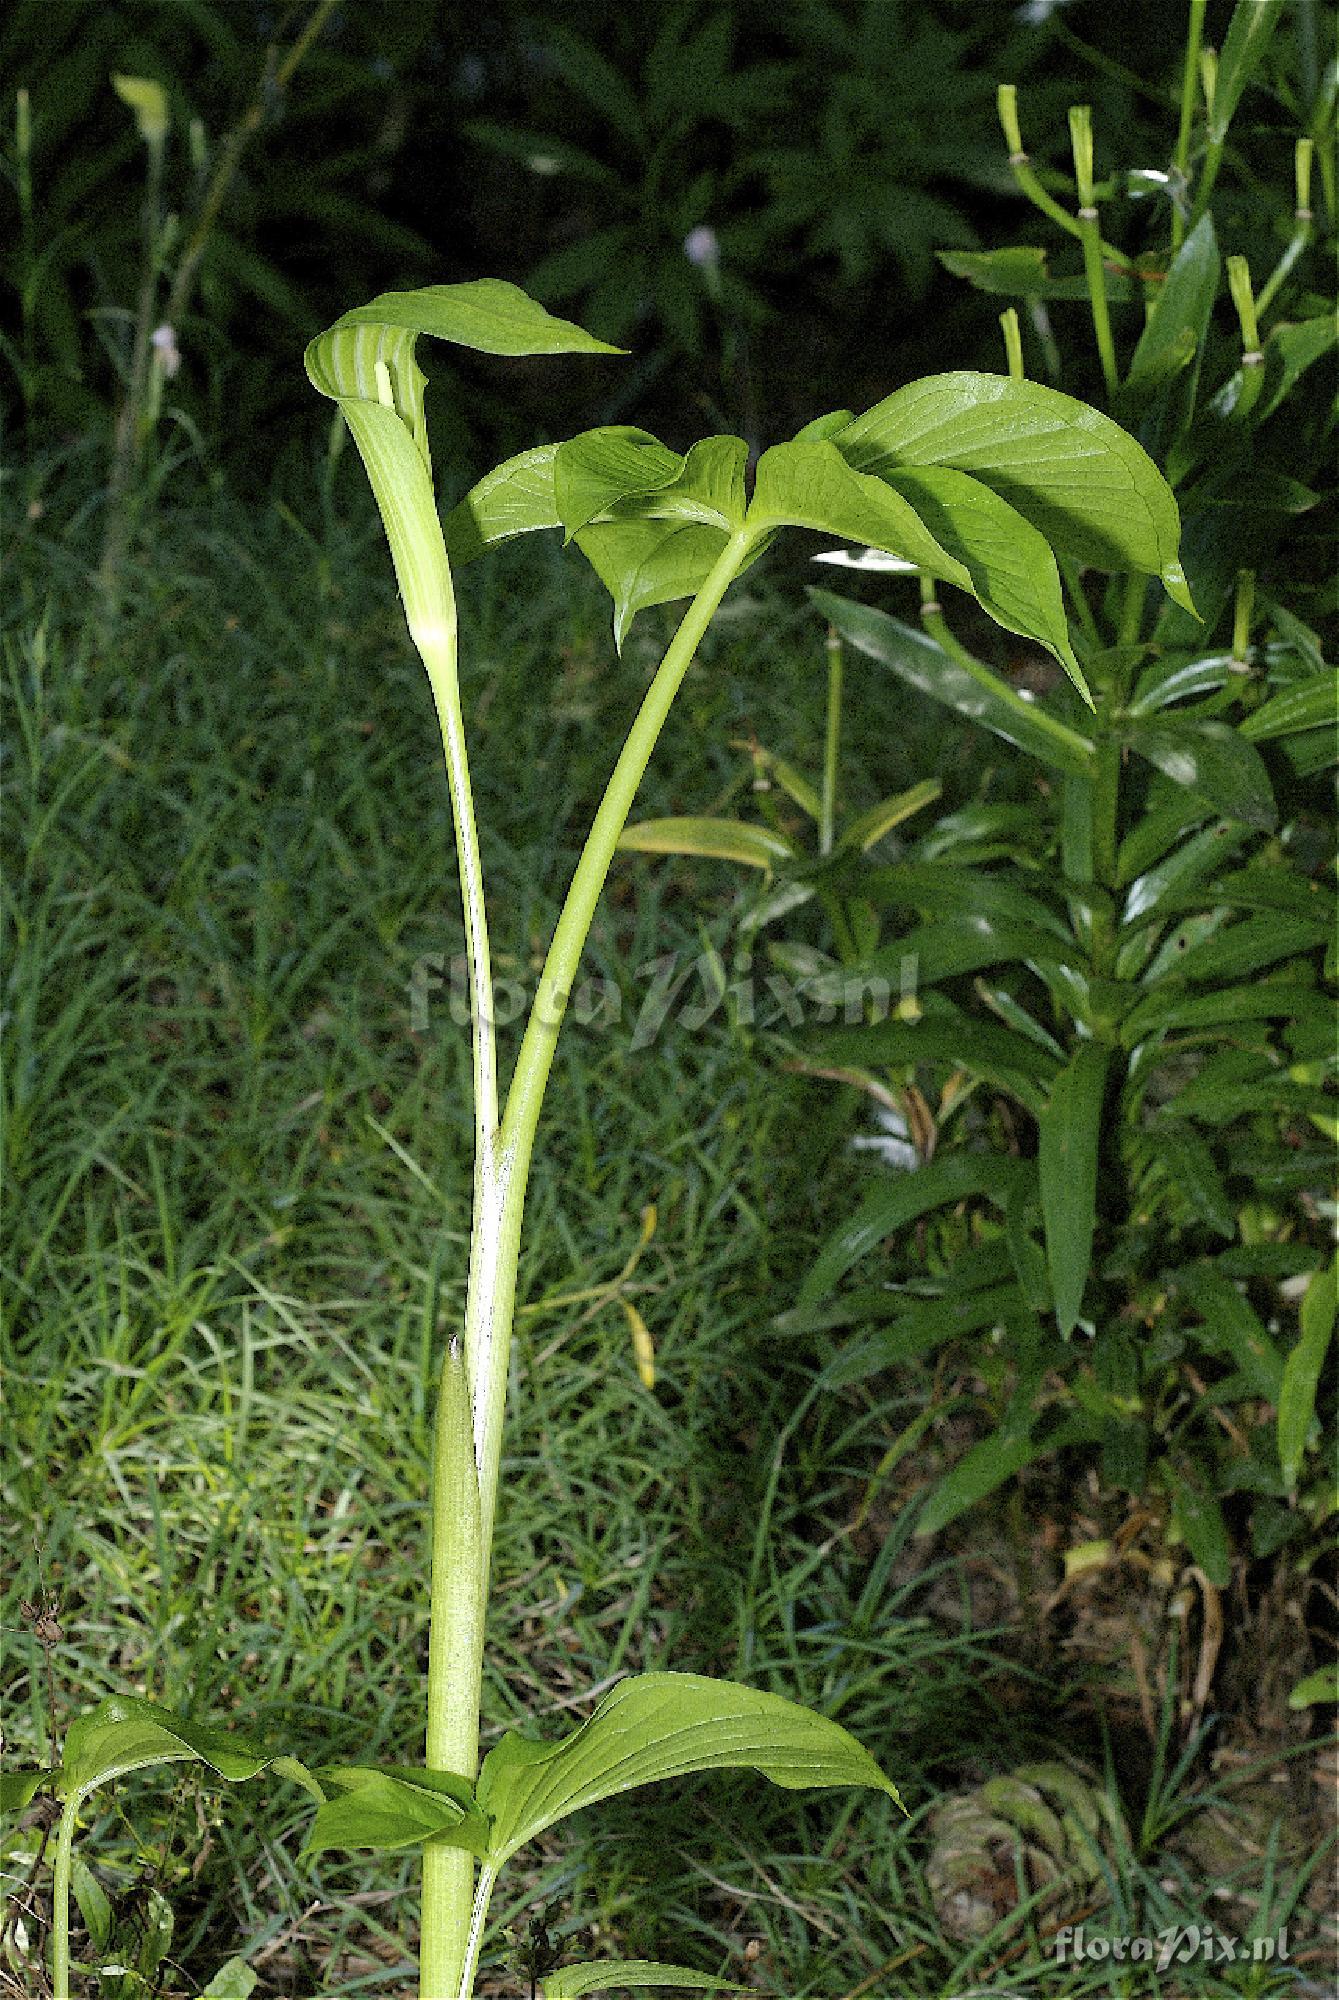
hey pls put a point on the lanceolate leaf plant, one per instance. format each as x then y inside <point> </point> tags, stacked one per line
<point>973,479</point>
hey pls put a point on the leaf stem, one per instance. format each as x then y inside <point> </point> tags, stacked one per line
<point>535,1060</point>
<point>831,742</point>
<point>482,1896</point>
<point>932,618</point>
<point>1189,92</point>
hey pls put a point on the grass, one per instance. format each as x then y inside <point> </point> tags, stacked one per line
<point>229,1154</point>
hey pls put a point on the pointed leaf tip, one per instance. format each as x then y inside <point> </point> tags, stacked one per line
<point>1176,587</point>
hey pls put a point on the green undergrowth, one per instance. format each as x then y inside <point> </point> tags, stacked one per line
<point>226,1167</point>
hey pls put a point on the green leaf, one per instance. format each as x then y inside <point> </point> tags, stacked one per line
<point>1068,1142</point>
<point>984,699</point>
<point>936,951</point>
<point>125,1734</point>
<point>891,1205</point>
<point>233,1981</point>
<point>93,1903</point>
<point>980,1047</point>
<point>394,1809</point>
<point>1233,1326</point>
<point>918,1329</point>
<point>1011,273</point>
<point>980,1471</point>
<point>1198,1517</point>
<point>1248,38</point>
<point>515,498</point>
<point>713,839</point>
<point>1170,1010</point>
<point>1209,759</point>
<point>1022,273</point>
<point>646,562</point>
<point>1180,317</point>
<point>1289,351</point>
<point>710,488</point>
<point>1093,492</point>
<point>1013,571</point>
<point>1169,884</point>
<point>19,1788</point>
<point>868,828</point>
<point>1309,704</point>
<point>938,889</point>
<point>812,486</point>
<point>1251,944</point>
<point>657,1726</point>
<point>1189,1165</point>
<point>1301,1374</point>
<point>818,429</point>
<point>572,1982</point>
<point>1322,1686</point>
<point>595,470</point>
<point>486,314</point>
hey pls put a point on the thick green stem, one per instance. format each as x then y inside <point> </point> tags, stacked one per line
<point>468,1440</point>
<point>455,1652</point>
<point>489,1369</point>
<point>60,1901</point>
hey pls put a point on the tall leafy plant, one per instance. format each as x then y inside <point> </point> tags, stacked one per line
<point>657,526</point>
<point>1120,1068</point>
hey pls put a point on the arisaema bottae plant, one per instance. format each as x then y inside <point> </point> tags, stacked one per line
<point>967,476</point>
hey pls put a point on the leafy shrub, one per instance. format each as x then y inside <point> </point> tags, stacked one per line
<point>1114,1048</point>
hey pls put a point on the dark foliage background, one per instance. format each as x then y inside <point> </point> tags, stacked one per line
<point>830,146</point>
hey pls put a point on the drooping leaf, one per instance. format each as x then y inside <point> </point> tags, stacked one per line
<point>19,1788</point>
<point>1180,316</point>
<point>1093,492</point>
<point>515,498</point>
<point>124,1733</point>
<point>979,1472</point>
<point>1301,1374</point>
<point>1231,1324</point>
<point>1010,562</point>
<point>597,469</point>
<point>1290,349</point>
<point>1021,272</point>
<point>1251,944</point>
<point>646,562</point>
<point>233,1981</point>
<point>713,839</point>
<point>1209,759</point>
<point>980,1047</point>
<point>1171,1010</point>
<point>891,1205</point>
<point>1189,1165</point>
<point>1199,1519</point>
<point>1069,1139</point>
<point>984,699</point>
<point>1248,38</point>
<point>868,828</point>
<point>657,1726</point>
<point>813,486</point>
<point>93,1903</point>
<point>394,1809</point>
<point>573,1982</point>
<point>937,889</point>
<point>918,1328</point>
<point>1309,704</point>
